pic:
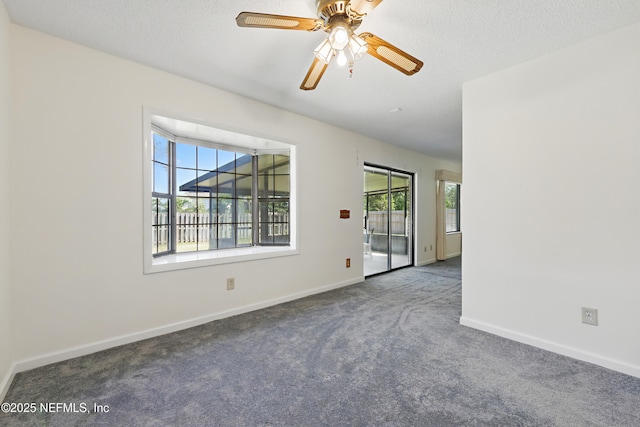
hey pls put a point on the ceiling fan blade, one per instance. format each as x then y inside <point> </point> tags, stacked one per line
<point>282,22</point>
<point>391,55</point>
<point>313,75</point>
<point>364,7</point>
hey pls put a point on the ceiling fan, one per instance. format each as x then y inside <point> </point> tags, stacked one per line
<point>339,18</point>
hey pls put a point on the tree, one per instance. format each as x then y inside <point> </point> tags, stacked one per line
<point>451,196</point>
<point>378,202</point>
<point>186,204</point>
<point>398,200</point>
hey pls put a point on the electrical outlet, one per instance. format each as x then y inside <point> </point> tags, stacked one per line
<point>231,284</point>
<point>590,316</point>
<point>348,263</point>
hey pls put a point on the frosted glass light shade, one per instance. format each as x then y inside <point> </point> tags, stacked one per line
<point>324,52</point>
<point>339,37</point>
<point>358,47</point>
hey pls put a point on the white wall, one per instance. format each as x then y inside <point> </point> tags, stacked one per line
<point>551,163</point>
<point>79,282</point>
<point>454,244</point>
<point>6,356</point>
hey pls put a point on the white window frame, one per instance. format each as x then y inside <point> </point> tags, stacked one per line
<point>236,140</point>
<point>457,213</point>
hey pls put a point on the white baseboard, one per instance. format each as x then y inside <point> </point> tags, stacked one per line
<point>434,260</point>
<point>83,350</point>
<point>6,381</point>
<point>426,262</point>
<point>562,349</point>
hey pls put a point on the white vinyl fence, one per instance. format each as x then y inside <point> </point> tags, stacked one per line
<point>195,227</point>
<point>451,218</point>
<point>378,222</point>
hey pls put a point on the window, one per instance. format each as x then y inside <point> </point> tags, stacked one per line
<point>203,197</point>
<point>452,207</point>
<point>273,198</point>
<point>220,198</point>
<point>160,199</point>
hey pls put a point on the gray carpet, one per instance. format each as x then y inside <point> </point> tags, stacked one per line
<point>387,352</point>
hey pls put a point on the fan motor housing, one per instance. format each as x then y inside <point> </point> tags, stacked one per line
<point>327,9</point>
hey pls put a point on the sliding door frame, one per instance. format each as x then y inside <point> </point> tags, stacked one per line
<point>411,199</point>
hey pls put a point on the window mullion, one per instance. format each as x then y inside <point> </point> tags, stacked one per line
<point>458,207</point>
<point>255,212</point>
<point>173,188</point>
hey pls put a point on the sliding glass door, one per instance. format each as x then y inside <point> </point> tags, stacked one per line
<point>388,219</point>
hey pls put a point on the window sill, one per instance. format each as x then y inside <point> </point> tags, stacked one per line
<point>453,232</point>
<point>209,258</point>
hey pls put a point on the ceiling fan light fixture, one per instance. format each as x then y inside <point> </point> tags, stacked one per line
<point>324,52</point>
<point>357,46</point>
<point>341,58</point>
<point>338,18</point>
<point>340,35</point>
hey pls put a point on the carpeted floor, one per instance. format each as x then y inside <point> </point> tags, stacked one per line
<point>387,352</point>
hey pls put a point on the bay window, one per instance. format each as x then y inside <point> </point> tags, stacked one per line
<point>213,201</point>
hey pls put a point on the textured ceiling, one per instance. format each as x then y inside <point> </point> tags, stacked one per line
<point>458,40</point>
